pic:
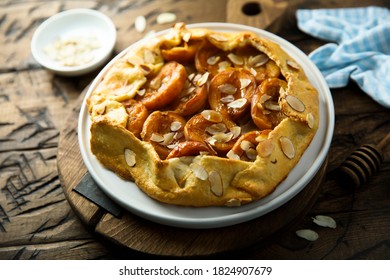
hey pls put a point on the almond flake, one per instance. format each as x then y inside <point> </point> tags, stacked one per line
<point>168,138</point>
<point>232,155</point>
<point>223,65</point>
<point>140,24</point>
<point>238,103</point>
<point>219,37</point>
<point>287,147</point>
<point>216,128</point>
<point>253,71</point>
<point>187,37</point>
<point>245,145</point>
<point>145,69</point>
<point>166,18</point>
<point>99,108</point>
<point>238,60</point>
<point>310,120</point>
<point>175,126</point>
<point>155,137</point>
<point>216,183</point>
<point>265,148</point>
<point>272,105</point>
<point>227,89</point>
<point>212,60</point>
<point>130,157</point>
<point>212,116</point>
<point>292,64</point>
<point>258,60</point>
<point>211,140</point>
<point>148,56</point>
<point>223,137</point>
<point>244,83</point>
<point>264,98</point>
<point>236,131</point>
<point>203,79</point>
<point>324,221</point>
<point>233,202</point>
<point>191,76</point>
<point>227,99</point>
<point>295,103</point>
<point>199,171</point>
<point>141,92</point>
<point>307,234</point>
<point>251,154</point>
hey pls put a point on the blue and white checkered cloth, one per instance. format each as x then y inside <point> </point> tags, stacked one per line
<point>360,48</point>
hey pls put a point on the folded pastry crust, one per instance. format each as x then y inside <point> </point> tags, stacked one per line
<point>226,134</point>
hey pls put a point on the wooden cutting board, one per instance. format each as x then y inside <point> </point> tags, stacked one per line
<point>133,232</point>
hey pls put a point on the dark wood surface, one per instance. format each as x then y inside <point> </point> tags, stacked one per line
<point>36,219</point>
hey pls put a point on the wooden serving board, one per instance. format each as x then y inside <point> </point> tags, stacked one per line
<point>133,232</point>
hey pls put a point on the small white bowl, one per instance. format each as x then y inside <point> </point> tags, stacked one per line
<point>75,23</point>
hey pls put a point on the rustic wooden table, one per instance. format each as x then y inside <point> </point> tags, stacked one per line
<point>36,220</point>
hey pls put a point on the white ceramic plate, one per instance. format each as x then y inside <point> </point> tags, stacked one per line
<point>128,195</point>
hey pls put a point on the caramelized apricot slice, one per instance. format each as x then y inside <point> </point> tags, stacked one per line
<point>221,133</point>
<point>190,148</point>
<point>137,115</point>
<point>165,87</point>
<point>265,109</point>
<point>268,70</point>
<point>194,96</point>
<point>164,130</point>
<point>245,147</point>
<point>231,92</point>
<point>183,54</point>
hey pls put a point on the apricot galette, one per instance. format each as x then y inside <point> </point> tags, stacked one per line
<point>198,117</point>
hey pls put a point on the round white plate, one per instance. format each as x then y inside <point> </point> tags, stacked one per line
<point>129,196</point>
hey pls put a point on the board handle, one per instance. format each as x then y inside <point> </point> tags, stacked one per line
<point>363,163</point>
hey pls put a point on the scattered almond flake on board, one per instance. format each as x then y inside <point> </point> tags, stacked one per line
<point>325,221</point>
<point>140,24</point>
<point>307,234</point>
<point>166,18</point>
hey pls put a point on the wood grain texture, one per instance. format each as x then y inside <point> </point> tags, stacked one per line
<point>36,220</point>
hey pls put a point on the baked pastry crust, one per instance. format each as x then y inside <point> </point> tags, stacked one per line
<point>279,120</point>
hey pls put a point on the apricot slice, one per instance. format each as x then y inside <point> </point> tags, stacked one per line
<point>221,133</point>
<point>190,148</point>
<point>165,87</point>
<point>164,130</point>
<point>265,109</point>
<point>194,96</point>
<point>231,92</point>
<point>137,115</point>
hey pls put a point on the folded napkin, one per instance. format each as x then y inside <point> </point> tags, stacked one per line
<point>361,48</point>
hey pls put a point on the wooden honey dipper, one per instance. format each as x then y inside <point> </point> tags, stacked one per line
<point>363,163</point>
